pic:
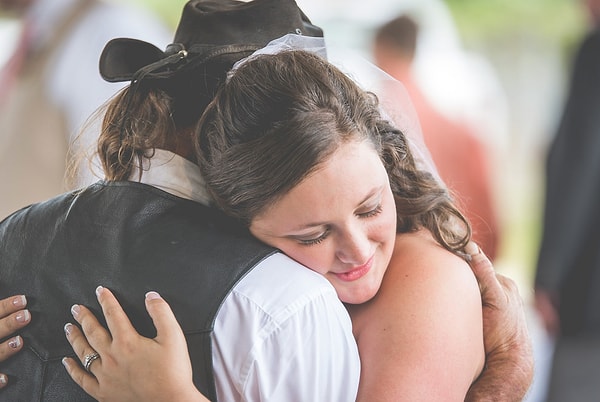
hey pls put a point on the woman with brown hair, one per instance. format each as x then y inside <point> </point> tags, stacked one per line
<point>303,157</point>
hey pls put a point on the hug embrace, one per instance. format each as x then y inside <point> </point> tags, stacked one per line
<point>305,250</point>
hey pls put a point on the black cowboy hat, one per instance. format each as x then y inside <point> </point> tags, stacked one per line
<point>217,31</point>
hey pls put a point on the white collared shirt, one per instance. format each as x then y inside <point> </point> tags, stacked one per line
<point>281,335</point>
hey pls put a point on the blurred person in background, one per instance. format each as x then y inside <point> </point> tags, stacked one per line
<point>567,281</point>
<point>50,85</point>
<point>460,155</point>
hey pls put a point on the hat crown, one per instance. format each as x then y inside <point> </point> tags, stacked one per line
<point>225,22</point>
<point>206,25</point>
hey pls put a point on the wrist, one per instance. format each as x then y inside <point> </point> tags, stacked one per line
<point>507,376</point>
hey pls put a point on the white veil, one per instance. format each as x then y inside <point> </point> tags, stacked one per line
<point>395,104</point>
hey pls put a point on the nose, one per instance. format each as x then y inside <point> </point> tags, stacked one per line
<point>354,246</point>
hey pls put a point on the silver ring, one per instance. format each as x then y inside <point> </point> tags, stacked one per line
<point>89,359</point>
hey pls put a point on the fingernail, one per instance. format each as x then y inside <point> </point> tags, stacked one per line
<point>23,316</point>
<point>19,301</point>
<point>65,362</point>
<point>98,291</point>
<point>152,295</point>
<point>15,342</point>
<point>75,309</point>
<point>3,379</point>
<point>68,327</point>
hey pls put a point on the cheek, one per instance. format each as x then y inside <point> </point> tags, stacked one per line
<point>318,257</point>
<point>386,224</point>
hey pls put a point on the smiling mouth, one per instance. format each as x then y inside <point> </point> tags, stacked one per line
<point>356,273</point>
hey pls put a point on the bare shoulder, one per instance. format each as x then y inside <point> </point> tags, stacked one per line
<point>421,335</point>
<point>419,257</point>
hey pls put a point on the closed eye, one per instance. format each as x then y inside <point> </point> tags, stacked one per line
<point>316,240</point>
<point>374,212</point>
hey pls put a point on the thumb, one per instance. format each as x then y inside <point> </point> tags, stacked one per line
<point>489,285</point>
<point>167,327</point>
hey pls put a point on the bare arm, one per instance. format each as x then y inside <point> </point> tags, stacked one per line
<point>13,316</point>
<point>509,357</point>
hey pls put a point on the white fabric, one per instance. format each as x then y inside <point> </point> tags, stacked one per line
<point>281,334</point>
<point>173,174</point>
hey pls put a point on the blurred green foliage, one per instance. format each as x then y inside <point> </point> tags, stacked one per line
<point>559,21</point>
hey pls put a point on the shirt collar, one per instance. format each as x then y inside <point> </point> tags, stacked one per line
<point>175,175</point>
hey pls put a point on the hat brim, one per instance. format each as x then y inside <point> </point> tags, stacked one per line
<point>122,57</point>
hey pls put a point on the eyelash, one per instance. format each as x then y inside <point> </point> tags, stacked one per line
<point>320,239</point>
<point>373,212</point>
<point>317,240</point>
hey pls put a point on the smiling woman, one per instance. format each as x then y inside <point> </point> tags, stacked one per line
<point>340,221</point>
<point>305,158</point>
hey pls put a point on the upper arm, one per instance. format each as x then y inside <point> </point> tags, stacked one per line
<point>421,337</point>
<point>283,335</point>
<point>312,356</point>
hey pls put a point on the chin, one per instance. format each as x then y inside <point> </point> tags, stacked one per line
<point>357,296</point>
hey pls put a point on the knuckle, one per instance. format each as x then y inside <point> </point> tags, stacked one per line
<point>111,311</point>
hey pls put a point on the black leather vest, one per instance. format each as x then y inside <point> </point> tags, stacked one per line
<point>128,237</point>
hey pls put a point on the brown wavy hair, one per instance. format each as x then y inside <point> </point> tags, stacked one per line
<point>279,117</point>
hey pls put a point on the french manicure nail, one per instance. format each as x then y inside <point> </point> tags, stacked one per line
<point>68,327</point>
<point>98,290</point>
<point>15,342</point>
<point>23,316</point>
<point>152,295</point>
<point>3,379</point>
<point>75,309</point>
<point>19,301</point>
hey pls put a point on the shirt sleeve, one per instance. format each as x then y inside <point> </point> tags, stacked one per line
<point>285,336</point>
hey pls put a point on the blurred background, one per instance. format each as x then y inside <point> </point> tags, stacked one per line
<point>501,67</point>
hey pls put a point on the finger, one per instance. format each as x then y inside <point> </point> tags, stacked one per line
<point>490,286</point>
<point>510,289</point>
<point>97,336</point>
<point>80,345</point>
<point>3,380</point>
<point>10,347</point>
<point>85,380</point>
<point>12,304</point>
<point>116,319</point>
<point>167,327</point>
<point>472,248</point>
<point>14,322</point>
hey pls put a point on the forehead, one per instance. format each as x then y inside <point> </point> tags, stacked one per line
<point>341,183</point>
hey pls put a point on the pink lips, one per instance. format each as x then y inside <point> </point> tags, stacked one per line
<point>356,273</point>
